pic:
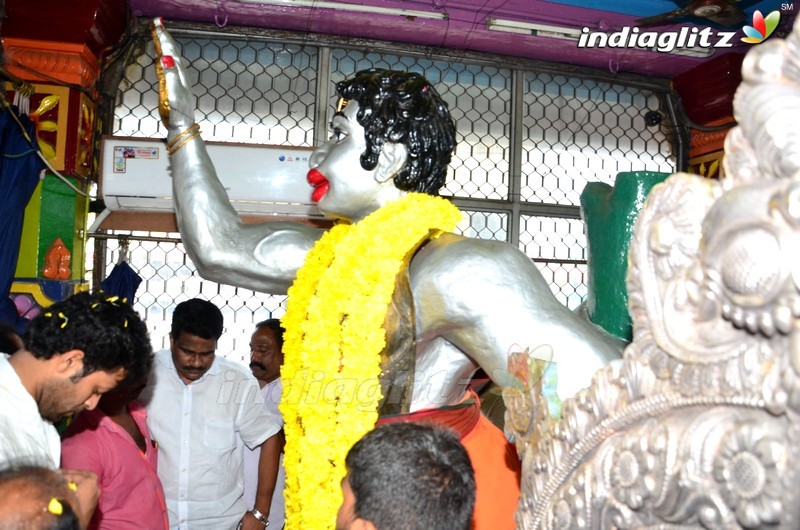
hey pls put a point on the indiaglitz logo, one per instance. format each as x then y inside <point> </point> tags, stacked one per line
<point>665,42</point>
<point>762,27</point>
<point>684,40</point>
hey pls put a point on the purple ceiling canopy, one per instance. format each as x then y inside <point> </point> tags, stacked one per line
<point>465,25</point>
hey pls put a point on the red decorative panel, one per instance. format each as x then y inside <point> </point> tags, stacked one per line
<point>97,24</point>
<point>704,142</point>
<point>707,90</point>
<point>80,160</point>
<point>69,63</point>
<point>65,121</point>
<point>49,107</point>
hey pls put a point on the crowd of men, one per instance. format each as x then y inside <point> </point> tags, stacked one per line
<point>183,438</point>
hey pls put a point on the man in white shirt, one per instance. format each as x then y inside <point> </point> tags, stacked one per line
<point>72,353</point>
<point>202,410</point>
<point>266,358</point>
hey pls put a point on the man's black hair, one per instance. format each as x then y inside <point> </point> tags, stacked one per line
<point>8,338</point>
<point>197,317</point>
<point>275,325</point>
<point>412,477</point>
<point>403,107</point>
<point>107,330</point>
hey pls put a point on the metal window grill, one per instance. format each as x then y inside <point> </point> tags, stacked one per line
<point>247,92</point>
<point>169,277</point>
<point>581,130</point>
<point>518,183</point>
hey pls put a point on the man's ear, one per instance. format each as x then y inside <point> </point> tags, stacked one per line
<point>362,524</point>
<point>392,159</point>
<point>70,362</point>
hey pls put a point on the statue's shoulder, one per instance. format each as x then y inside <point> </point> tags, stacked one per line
<point>452,259</point>
<point>457,251</point>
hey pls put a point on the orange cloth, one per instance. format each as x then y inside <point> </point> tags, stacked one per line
<point>494,459</point>
<point>497,476</point>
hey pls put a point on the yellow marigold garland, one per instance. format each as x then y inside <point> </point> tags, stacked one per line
<point>334,337</point>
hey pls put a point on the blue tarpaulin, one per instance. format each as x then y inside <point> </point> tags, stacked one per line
<point>19,173</point>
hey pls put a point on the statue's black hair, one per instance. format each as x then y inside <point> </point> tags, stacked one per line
<point>403,107</point>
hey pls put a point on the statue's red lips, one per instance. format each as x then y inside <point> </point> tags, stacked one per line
<point>319,183</point>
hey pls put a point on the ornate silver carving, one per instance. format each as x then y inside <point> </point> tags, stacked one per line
<point>698,427</point>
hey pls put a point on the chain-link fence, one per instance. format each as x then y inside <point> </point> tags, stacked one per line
<point>528,142</point>
<point>169,277</point>
<point>247,92</point>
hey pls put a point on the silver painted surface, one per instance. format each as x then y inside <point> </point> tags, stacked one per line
<point>474,301</point>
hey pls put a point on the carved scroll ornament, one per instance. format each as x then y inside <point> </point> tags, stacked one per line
<point>698,426</point>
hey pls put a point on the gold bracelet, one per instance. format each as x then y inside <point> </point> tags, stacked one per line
<point>175,140</point>
<point>185,141</point>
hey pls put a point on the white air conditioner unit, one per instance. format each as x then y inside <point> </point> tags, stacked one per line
<point>260,180</point>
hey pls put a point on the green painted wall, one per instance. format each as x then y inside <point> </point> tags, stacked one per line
<point>609,214</point>
<point>54,211</point>
<point>28,261</point>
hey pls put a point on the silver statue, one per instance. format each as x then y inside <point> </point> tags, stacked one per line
<point>474,301</point>
<point>699,426</point>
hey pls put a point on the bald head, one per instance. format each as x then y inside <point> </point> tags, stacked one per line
<point>26,500</point>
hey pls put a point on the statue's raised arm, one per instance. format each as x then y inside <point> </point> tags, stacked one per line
<point>263,257</point>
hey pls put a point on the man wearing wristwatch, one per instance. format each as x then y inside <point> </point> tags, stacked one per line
<point>203,410</point>
<point>266,358</point>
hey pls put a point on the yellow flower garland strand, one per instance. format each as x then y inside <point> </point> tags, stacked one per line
<point>334,337</point>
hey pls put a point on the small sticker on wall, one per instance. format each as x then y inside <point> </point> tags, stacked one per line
<point>122,154</point>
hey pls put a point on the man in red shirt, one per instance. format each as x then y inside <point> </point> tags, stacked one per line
<point>113,442</point>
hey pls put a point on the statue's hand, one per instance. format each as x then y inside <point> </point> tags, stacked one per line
<point>176,104</point>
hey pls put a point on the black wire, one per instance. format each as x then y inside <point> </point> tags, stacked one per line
<point>684,117</point>
<point>87,91</point>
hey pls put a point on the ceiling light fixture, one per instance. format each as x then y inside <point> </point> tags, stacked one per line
<point>339,6</point>
<point>527,28</point>
<point>561,32</point>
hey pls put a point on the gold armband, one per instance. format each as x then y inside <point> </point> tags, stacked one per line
<point>182,139</point>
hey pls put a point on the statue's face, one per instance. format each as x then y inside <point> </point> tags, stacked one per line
<point>342,188</point>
